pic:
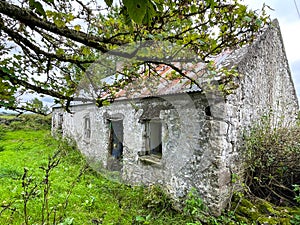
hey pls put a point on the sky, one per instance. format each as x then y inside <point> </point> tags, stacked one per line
<point>289,20</point>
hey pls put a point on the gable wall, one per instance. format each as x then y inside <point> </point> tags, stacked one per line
<point>265,89</point>
<point>267,84</point>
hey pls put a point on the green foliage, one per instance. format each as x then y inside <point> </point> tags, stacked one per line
<point>10,173</point>
<point>143,219</point>
<point>43,179</point>
<point>296,219</point>
<point>157,200</point>
<point>136,9</point>
<point>297,193</point>
<point>6,93</point>
<point>38,106</point>
<point>272,161</point>
<point>296,212</point>
<point>2,132</point>
<point>243,211</point>
<point>199,214</point>
<point>37,7</point>
<point>259,211</point>
<point>61,39</point>
<point>194,206</point>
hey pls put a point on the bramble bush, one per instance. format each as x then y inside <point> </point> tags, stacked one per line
<point>272,156</point>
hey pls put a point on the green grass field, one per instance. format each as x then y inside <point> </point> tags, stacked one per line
<point>75,194</point>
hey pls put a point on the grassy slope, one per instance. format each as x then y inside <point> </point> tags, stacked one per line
<point>93,199</point>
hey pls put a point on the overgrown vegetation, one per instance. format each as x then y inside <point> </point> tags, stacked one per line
<point>273,162</point>
<point>47,181</point>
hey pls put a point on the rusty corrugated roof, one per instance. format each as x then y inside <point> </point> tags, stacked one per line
<point>161,84</point>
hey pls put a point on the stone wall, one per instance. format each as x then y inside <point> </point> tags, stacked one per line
<point>266,83</point>
<point>191,142</point>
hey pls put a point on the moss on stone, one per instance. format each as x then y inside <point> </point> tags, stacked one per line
<point>294,211</point>
<point>245,202</point>
<point>268,220</point>
<point>285,221</point>
<point>242,219</point>
<point>250,213</point>
<point>265,207</point>
<point>262,212</point>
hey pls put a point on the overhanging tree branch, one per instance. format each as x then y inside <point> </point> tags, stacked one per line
<point>63,42</point>
<point>31,20</point>
<point>18,82</point>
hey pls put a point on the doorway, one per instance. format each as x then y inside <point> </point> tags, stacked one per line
<point>117,139</point>
<point>116,145</point>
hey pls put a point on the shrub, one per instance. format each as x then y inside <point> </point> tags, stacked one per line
<point>272,162</point>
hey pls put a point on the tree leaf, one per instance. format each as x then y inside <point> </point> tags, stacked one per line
<point>139,218</point>
<point>150,13</point>
<point>60,51</point>
<point>136,9</point>
<point>59,22</point>
<point>4,69</point>
<point>77,27</point>
<point>37,7</point>
<point>247,18</point>
<point>86,50</point>
<point>109,2</point>
<point>50,2</point>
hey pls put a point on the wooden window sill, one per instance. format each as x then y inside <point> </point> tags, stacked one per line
<point>151,160</point>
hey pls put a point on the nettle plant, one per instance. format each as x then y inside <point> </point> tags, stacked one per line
<point>297,193</point>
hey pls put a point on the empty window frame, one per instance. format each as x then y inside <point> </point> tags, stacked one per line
<point>87,127</point>
<point>60,121</point>
<point>116,133</point>
<point>153,140</point>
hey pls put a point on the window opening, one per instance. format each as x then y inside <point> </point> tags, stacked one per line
<point>87,127</point>
<point>153,143</point>
<point>60,121</point>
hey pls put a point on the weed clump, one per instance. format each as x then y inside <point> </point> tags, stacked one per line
<point>157,200</point>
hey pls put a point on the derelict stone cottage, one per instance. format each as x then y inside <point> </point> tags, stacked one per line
<point>181,137</point>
